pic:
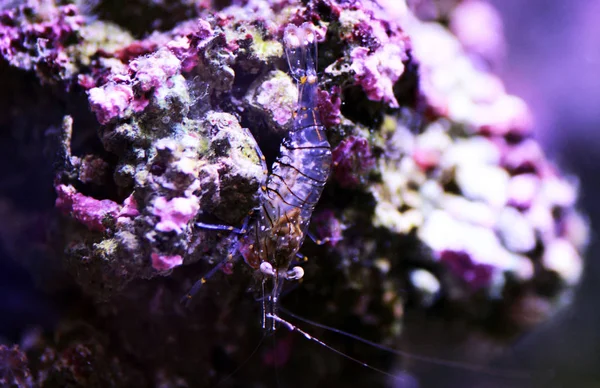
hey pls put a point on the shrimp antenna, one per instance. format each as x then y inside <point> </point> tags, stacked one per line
<point>231,257</point>
<point>309,337</point>
<point>236,370</point>
<point>510,374</point>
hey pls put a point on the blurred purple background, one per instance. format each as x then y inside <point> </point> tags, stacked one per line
<point>553,62</point>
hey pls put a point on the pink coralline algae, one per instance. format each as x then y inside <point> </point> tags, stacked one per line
<point>33,37</point>
<point>174,214</point>
<point>378,71</point>
<point>352,160</point>
<point>89,211</point>
<point>273,95</point>
<point>126,94</point>
<point>129,208</point>
<point>376,51</point>
<point>153,71</point>
<point>165,262</point>
<point>189,42</point>
<point>110,101</point>
<point>329,106</point>
<point>476,276</point>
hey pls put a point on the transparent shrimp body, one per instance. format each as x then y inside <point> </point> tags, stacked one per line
<point>297,179</point>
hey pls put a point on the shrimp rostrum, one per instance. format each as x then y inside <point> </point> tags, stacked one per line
<point>297,178</point>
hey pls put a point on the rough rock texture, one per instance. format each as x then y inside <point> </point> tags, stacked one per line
<point>439,201</point>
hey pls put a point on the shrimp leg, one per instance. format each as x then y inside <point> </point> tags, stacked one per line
<point>231,257</point>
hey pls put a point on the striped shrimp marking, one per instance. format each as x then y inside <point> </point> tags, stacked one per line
<point>296,182</point>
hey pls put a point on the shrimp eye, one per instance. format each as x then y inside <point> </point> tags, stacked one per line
<point>266,268</point>
<point>295,274</point>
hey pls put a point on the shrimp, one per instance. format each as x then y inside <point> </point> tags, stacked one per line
<point>296,182</point>
<point>290,193</point>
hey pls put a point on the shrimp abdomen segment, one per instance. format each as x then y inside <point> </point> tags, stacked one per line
<point>302,168</point>
<point>303,161</point>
